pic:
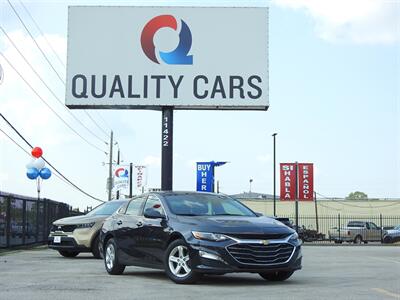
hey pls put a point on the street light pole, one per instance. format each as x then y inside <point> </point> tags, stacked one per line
<point>274,135</point>
<point>250,181</point>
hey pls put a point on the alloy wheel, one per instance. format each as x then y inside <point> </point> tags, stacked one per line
<point>178,261</point>
<point>110,256</point>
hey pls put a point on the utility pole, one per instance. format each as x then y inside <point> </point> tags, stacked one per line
<point>109,181</point>
<point>118,164</point>
<point>297,197</point>
<point>130,179</point>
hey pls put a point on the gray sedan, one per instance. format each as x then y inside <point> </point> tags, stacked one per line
<point>392,235</point>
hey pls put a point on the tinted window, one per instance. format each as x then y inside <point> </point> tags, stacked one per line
<point>206,205</point>
<point>356,224</point>
<point>373,226</point>
<point>154,202</point>
<point>105,209</point>
<point>134,207</point>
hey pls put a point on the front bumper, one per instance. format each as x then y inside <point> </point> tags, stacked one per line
<point>67,243</point>
<point>216,258</point>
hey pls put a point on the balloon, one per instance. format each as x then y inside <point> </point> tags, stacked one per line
<point>30,164</point>
<point>39,163</point>
<point>32,173</point>
<point>45,173</point>
<point>37,152</point>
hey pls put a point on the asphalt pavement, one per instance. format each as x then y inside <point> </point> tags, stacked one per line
<point>339,272</point>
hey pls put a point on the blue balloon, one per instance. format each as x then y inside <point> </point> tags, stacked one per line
<point>45,173</point>
<point>32,173</point>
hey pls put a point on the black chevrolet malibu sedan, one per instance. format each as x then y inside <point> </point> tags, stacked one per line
<point>189,234</point>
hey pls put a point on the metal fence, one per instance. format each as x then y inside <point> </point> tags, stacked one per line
<point>331,228</point>
<point>26,220</point>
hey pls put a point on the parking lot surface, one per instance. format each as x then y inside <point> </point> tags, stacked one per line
<point>338,272</point>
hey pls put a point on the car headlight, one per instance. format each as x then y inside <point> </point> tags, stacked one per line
<point>294,237</point>
<point>85,225</point>
<point>208,236</point>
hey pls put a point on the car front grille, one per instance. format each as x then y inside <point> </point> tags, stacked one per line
<point>252,236</point>
<point>64,228</point>
<point>258,254</point>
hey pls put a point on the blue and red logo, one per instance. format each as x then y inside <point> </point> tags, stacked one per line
<point>121,172</point>
<point>179,56</point>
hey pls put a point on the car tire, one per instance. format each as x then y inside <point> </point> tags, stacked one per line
<point>68,253</point>
<point>95,248</point>
<point>358,239</point>
<point>277,276</point>
<point>177,263</point>
<point>113,267</point>
<point>387,240</point>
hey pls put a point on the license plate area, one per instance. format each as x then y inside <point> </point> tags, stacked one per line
<point>57,240</point>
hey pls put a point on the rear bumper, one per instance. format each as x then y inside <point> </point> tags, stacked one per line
<point>67,244</point>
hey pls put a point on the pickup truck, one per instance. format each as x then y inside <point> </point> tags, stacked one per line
<point>356,232</point>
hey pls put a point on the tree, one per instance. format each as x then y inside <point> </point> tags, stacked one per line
<point>357,196</point>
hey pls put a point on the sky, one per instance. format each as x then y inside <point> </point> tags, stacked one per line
<point>334,83</point>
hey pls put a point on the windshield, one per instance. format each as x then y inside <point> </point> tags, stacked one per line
<point>105,209</point>
<point>397,227</point>
<point>206,205</point>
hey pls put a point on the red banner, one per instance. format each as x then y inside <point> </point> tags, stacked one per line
<point>306,181</point>
<point>288,181</point>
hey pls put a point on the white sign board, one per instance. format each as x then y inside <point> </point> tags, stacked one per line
<point>183,57</point>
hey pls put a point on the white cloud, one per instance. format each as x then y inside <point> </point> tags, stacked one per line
<point>152,160</point>
<point>264,158</point>
<point>357,21</point>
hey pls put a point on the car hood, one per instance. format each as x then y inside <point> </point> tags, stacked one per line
<point>235,224</point>
<point>79,220</point>
<point>393,231</point>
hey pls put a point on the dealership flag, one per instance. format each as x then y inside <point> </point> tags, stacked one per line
<point>305,181</point>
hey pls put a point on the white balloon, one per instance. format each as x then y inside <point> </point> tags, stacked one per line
<point>39,163</point>
<point>30,165</point>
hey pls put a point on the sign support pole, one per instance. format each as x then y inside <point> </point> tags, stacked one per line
<point>166,148</point>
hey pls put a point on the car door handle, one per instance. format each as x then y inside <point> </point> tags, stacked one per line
<point>119,222</point>
<point>139,224</point>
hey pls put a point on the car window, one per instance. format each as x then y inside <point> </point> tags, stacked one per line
<point>122,209</point>
<point>206,205</point>
<point>373,226</point>
<point>105,209</point>
<point>134,207</point>
<point>155,203</point>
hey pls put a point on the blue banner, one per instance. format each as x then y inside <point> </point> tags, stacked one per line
<point>205,175</point>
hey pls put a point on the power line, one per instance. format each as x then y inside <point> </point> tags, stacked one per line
<point>33,39</point>
<point>40,97</point>
<point>43,53</point>
<point>61,176</point>
<point>45,38</point>
<point>45,84</point>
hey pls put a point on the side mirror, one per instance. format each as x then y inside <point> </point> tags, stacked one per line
<point>151,213</point>
<point>258,214</point>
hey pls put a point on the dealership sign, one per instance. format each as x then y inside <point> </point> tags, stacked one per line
<point>181,57</point>
<point>305,181</point>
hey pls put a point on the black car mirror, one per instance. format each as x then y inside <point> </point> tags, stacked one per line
<point>151,213</point>
<point>258,214</point>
